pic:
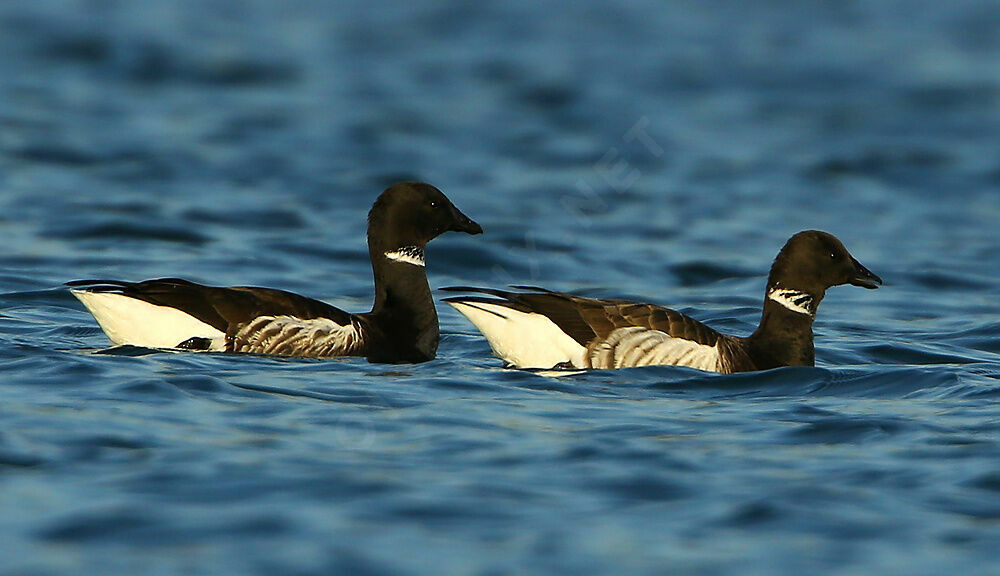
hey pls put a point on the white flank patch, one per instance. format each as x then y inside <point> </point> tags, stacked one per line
<point>291,336</point>
<point>522,339</point>
<point>638,346</point>
<point>408,255</point>
<point>138,323</point>
<point>794,300</point>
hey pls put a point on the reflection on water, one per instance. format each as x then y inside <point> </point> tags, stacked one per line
<point>655,151</point>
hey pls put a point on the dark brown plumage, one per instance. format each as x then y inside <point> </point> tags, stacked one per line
<point>605,333</point>
<point>401,327</point>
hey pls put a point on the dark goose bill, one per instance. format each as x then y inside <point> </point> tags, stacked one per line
<point>864,277</point>
<point>462,223</point>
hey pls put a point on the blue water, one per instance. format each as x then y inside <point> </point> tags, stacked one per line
<point>660,151</point>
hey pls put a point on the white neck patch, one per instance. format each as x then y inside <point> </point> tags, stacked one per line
<point>794,300</point>
<point>407,255</point>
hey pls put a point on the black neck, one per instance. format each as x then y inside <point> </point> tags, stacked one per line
<point>785,336</point>
<point>403,316</point>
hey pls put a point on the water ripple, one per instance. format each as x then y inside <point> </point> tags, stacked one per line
<point>657,151</point>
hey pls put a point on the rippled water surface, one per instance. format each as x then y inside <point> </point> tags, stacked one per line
<point>660,151</point>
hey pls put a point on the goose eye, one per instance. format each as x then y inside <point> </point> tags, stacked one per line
<point>434,204</point>
<point>833,255</point>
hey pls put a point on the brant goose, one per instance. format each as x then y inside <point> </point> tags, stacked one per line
<point>401,327</point>
<point>545,329</point>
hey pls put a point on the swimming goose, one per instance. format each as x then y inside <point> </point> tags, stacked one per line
<point>544,329</point>
<point>401,327</point>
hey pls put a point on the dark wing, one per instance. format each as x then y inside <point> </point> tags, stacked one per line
<point>221,308</point>
<point>585,319</point>
<point>607,316</point>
